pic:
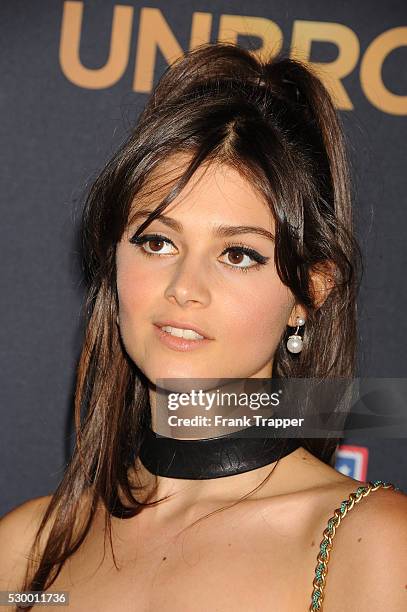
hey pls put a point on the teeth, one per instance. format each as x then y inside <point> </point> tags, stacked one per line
<point>189,334</point>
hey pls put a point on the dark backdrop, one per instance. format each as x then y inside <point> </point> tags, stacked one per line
<point>71,85</point>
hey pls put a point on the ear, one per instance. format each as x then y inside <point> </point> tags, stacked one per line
<point>322,279</point>
<point>297,311</point>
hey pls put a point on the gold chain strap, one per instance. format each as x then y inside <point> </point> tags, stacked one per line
<point>329,533</point>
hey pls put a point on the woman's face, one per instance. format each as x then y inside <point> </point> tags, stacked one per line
<point>190,275</point>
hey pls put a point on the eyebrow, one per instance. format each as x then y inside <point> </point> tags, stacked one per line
<point>219,231</point>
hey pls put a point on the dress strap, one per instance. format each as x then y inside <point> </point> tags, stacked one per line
<point>329,533</point>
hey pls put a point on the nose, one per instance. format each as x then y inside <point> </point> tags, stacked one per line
<point>188,283</point>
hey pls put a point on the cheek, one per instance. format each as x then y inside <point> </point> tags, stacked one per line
<point>136,292</point>
<point>260,318</point>
<point>136,289</point>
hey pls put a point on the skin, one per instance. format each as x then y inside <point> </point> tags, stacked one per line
<point>245,313</point>
<point>258,552</point>
<point>194,282</point>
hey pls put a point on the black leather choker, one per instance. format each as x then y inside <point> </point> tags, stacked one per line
<point>212,457</point>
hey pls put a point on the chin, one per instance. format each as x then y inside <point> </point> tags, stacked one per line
<point>181,373</point>
<point>182,378</point>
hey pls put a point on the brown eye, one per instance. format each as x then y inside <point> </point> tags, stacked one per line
<point>155,241</point>
<point>152,244</point>
<point>235,257</point>
<point>242,258</point>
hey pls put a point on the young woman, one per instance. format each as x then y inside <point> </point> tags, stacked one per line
<point>226,213</point>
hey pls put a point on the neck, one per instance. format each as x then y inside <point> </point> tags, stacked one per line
<point>186,492</point>
<point>218,468</point>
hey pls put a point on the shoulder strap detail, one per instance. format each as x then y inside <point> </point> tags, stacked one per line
<point>329,533</point>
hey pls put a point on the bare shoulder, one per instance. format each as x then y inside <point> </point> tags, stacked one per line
<point>17,532</point>
<point>385,544</point>
<point>368,559</point>
<point>367,563</point>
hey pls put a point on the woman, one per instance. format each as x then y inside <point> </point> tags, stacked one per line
<point>218,244</point>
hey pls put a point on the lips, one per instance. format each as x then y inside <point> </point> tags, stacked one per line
<point>183,325</point>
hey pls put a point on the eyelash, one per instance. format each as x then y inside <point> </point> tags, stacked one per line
<point>138,241</point>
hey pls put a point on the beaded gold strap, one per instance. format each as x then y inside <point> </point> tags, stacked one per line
<point>329,533</point>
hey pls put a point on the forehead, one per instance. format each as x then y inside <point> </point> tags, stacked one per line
<point>215,193</point>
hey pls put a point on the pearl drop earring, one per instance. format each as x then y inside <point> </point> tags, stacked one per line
<point>294,342</point>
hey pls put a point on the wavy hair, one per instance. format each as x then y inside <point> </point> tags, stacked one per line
<point>273,121</point>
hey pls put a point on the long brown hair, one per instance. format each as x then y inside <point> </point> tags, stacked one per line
<point>274,122</point>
